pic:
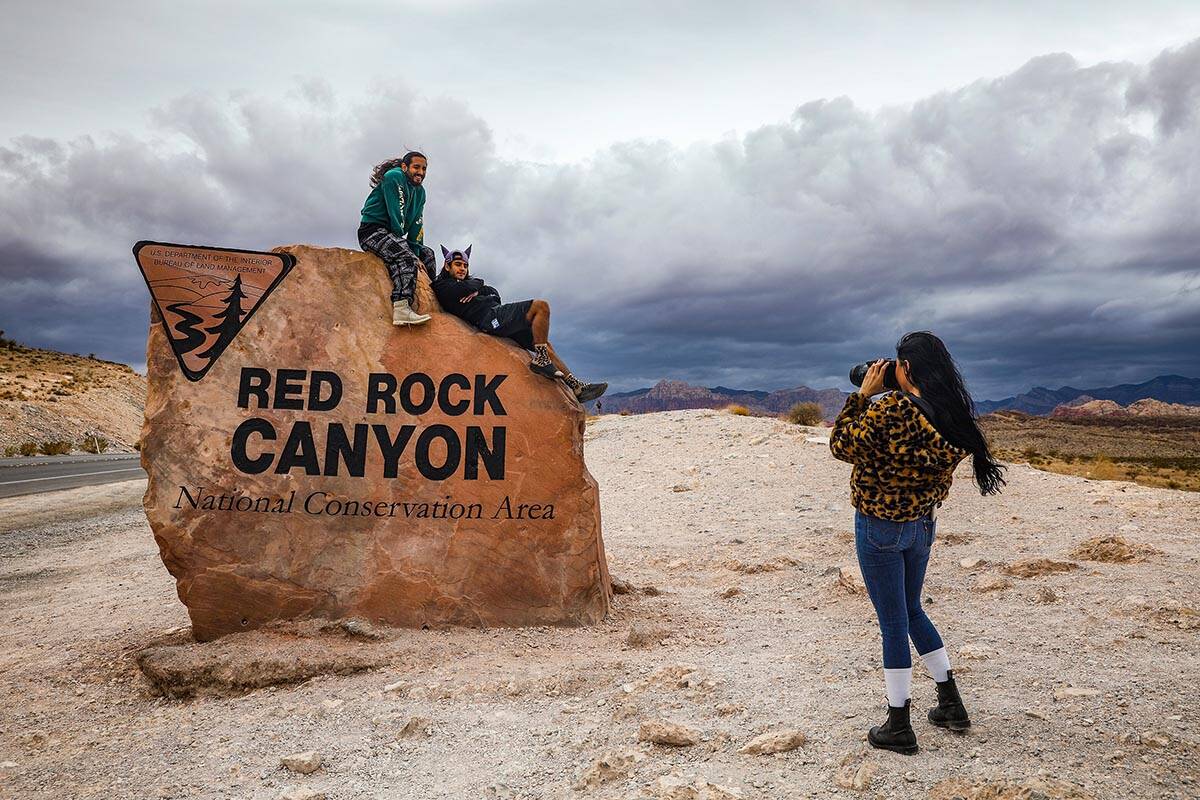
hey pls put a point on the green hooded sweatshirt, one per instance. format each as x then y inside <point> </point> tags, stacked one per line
<point>398,205</point>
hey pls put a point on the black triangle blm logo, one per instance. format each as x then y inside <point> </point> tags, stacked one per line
<point>206,295</point>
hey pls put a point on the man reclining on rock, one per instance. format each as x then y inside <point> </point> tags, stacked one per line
<point>527,323</point>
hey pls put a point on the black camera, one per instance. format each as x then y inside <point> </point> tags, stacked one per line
<point>859,371</point>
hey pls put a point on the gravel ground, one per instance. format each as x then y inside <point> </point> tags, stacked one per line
<point>748,617</point>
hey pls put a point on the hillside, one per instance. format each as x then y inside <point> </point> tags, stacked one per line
<point>47,396</point>
<point>1086,406</point>
<point>1155,450</point>
<point>743,613</point>
<point>670,395</point>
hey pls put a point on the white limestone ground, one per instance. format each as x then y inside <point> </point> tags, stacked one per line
<point>758,626</point>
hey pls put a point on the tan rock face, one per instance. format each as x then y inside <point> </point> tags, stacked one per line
<point>331,465</point>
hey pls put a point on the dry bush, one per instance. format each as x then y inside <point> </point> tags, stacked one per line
<point>1033,567</point>
<point>94,444</point>
<point>55,448</point>
<point>805,414</point>
<point>738,411</point>
<point>640,637</point>
<point>29,448</point>
<point>1112,549</point>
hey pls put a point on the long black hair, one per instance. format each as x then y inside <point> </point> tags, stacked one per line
<point>932,370</point>
<point>392,163</point>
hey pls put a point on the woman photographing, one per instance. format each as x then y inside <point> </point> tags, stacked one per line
<point>904,449</point>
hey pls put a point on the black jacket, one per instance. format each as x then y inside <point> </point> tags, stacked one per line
<point>479,310</point>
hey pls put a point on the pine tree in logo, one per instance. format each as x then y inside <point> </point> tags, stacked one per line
<point>230,321</point>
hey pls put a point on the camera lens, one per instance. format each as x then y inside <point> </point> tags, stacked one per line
<point>858,373</point>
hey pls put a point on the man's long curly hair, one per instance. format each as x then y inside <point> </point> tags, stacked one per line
<point>392,163</point>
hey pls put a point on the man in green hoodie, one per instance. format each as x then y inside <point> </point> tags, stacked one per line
<point>393,228</point>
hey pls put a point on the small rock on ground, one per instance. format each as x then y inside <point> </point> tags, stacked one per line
<point>774,742</point>
<point>661,731</point>
<point>305,763</point>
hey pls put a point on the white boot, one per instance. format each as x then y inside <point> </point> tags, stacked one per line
<point>402,314</point>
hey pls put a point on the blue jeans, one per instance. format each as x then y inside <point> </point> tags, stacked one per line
<point>893,557</point>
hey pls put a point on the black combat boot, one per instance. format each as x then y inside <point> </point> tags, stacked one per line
<point>541,363</point>
<point>950,711</point>
<point>896,734</point>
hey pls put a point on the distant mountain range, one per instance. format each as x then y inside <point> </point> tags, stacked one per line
<point>675,395</point>
<point>1042,401</point>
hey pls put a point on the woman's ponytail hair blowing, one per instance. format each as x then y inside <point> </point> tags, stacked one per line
<point>392,163</point>
<point>932,370</point>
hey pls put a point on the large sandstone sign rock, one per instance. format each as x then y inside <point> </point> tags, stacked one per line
<point>328,464</point>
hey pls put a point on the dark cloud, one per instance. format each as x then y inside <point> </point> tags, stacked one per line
<point>1042,222</point>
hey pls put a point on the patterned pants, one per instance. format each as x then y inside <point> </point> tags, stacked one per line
<point>397,255</point>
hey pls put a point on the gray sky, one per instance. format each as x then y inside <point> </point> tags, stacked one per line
<point>752,199</point>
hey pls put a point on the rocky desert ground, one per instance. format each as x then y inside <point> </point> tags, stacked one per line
<point>1068,605</point>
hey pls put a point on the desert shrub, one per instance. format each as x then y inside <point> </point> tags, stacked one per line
<point>94,444</point>
<point>805,414</point>
<point>624,412</point>
<point>738,411</point>
<point>55,448</point>
<point>12,450</point>
<point>29,448</point>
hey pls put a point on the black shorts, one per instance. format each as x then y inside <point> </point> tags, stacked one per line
<point>511,323</point>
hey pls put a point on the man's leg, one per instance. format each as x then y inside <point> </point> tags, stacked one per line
<point>539,322</point>
<point>401,267</point>
<point>538,317</point>
<point>428,260</point>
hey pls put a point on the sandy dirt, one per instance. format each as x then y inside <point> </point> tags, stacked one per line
<point>750,619</point>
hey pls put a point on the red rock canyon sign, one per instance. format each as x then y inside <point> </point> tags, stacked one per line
<point>307,458</point>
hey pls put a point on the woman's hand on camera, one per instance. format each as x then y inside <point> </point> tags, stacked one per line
<point>873,382</point>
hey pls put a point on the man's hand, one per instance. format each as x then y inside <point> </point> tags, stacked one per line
<point>469,297</point>
<point>873,382</point>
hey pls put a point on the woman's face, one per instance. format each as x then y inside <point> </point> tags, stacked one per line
<point>902,376</point>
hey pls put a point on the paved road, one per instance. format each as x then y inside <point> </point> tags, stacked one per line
<point>50,473</point>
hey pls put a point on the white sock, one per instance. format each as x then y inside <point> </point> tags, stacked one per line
<point>899,683</point>
<point>938,664</point>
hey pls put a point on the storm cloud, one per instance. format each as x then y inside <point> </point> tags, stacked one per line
<point>1043,223</point>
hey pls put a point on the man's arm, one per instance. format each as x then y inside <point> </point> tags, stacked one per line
<point>451,293</point>
<point>393,197</point>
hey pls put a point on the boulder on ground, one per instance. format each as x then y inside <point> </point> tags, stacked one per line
<point>329,464</point>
